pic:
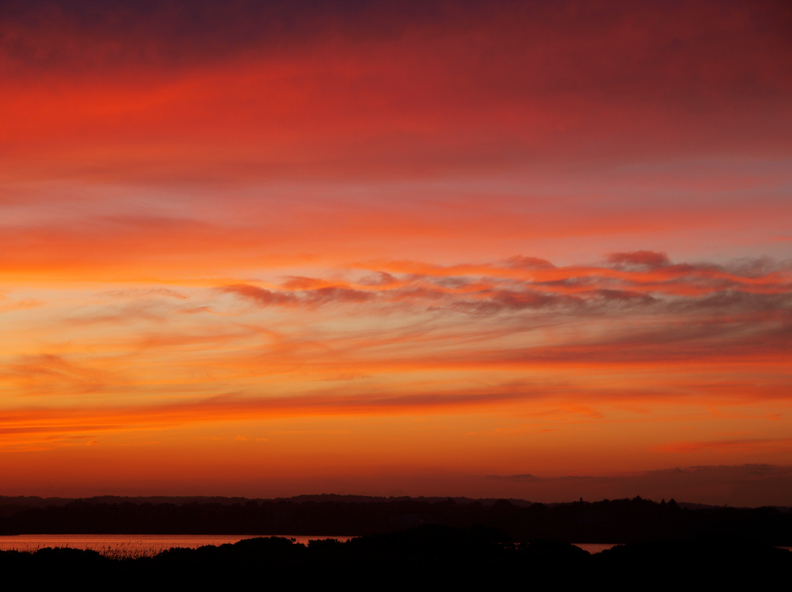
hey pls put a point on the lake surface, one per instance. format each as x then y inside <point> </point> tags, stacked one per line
<point>131,545</point>
<point>594,547</point>
<point>148,545</point>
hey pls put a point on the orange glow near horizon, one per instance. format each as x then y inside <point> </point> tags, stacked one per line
<point>515,249</point>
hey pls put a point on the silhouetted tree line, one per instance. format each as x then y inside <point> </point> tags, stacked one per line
<point>427,556</point>
<point>616,521</point>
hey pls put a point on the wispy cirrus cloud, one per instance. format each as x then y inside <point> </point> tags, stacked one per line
<point>52,374</point>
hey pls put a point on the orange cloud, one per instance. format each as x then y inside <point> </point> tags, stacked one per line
<point>506,233</point>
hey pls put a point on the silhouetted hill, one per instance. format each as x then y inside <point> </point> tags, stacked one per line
<point>608,521</point>
<point>41,502</point>
<point>332,497</point>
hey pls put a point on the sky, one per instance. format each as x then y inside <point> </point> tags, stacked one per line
<point>535,249</point>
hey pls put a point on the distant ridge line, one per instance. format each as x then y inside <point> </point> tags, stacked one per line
<point>179,500</point>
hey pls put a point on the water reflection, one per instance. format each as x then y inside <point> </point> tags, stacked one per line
<point>130,545</point>
<point>594,547</point>
<point>147,545</point>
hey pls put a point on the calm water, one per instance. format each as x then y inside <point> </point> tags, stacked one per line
<point>594,547</point>
<point>127,545</point>
<point>130,545</point>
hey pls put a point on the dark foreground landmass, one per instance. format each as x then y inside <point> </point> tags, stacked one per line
<point>615,521</point>
<point>428,556</point>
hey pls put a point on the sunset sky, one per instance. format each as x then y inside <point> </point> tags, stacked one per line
<point>506,249</point>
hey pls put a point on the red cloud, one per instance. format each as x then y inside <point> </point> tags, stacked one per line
<point>646,258</point>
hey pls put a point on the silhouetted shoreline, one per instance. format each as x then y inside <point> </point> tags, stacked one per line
<point>607,521</point>
<point>428,555</point>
